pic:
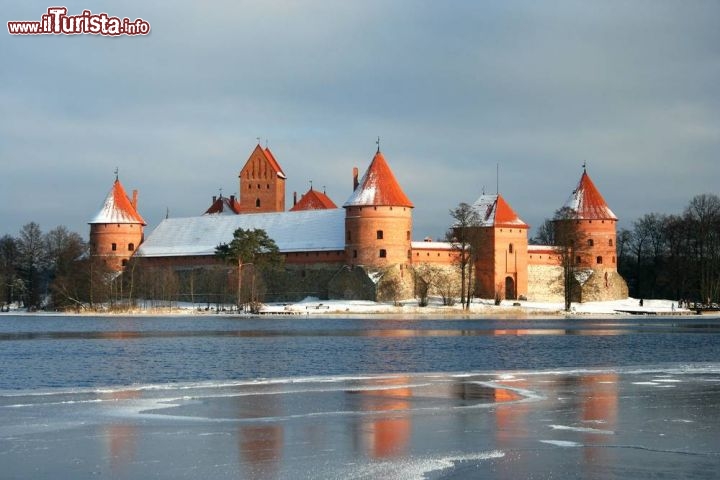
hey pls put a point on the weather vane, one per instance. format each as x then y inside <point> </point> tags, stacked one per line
<point>378,144</point>
<point>116,173</point>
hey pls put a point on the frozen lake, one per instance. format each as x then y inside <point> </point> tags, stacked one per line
<point>223,397</point>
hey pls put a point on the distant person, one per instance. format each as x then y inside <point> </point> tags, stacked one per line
<point>641,302</point>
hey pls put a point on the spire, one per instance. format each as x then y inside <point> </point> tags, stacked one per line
<point>118,208</point>
<point>587,202</point>
<point>378,187</point>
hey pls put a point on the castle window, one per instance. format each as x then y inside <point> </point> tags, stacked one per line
<point>510,248</point>
<point>249,187</point>
<point>268,186</point>
<point>383,253</point>
<point>354,253</point>
<point>613,259</point>
<point>379,234</point>
<point>407,235</point>
<point>409,253</point>
<point>590,242</point>
<point>113,246</point>
<point>124,262</point>
<point>599,260</point>
<point>610,242</point>
<point>257,203</point>
<point>131,246</point>
<point>578,259</point>
<point>348,236</point>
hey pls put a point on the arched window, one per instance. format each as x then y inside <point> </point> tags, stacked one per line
<point>590,242</point>
<point>578,259</point>
<point>131,246</point>
<point>510,248</point>
<point>599,260</point>
<point>257,203</point>
<point>379,234</point>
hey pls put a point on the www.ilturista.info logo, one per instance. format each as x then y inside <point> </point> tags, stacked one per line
<point>57,22</point>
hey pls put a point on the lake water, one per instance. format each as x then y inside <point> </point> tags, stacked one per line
<point>296,397</point>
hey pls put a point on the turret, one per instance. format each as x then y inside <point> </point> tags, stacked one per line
<point>378,218</point>
<point>117,229</point>
<point>595,225</point>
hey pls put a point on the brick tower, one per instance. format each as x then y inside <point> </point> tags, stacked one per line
<point>378,218</point>
<point>501,269</point>
<point>117,229</point>
<point>596,228</point>
<point>262,183</point>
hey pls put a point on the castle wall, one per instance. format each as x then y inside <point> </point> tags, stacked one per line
<point>545,283</point>
<point>435,256</point>
<point>378,236</point>
<point>599,237</point>
<point>116,242</point>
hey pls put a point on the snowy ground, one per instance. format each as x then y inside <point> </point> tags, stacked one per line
<point>314,306</point>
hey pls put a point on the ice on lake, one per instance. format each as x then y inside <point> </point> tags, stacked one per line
<point>564,423</point>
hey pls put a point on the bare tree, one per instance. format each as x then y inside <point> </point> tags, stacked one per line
<point>463,236</point>
<point>570,245</point>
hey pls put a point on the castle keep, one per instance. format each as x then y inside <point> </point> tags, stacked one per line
<point>361,250</point>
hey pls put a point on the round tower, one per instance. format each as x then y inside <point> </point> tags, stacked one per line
<point>593,236</point>
<point>595,224</point>
<point>378,218</point>
<point>117,229</point>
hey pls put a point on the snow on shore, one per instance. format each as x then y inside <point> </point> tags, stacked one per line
<point>314,306</point>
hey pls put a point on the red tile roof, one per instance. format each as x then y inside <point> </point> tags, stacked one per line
<point>224,205</point>
<point>587,202</point>
<point>313,200</point>
<point>378,187</point>
<point>273,163</point>
<point>494,211</point>
<point>118,208</point>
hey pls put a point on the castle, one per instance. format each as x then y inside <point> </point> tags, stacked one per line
<point>353,251</point>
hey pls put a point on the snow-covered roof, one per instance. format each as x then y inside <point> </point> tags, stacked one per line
<point>494,211</point>
<point>587,202</point>
<point>117,208</point>
<point>308,230</point>
<point>541,248</point>
<point>378,187</point>
<point>431,246</point>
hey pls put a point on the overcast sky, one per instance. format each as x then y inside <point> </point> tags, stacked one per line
<point>453,89</point>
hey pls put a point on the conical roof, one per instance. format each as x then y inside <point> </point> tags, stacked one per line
<point>117,208</point>
<point>378,187</point>
<point>494,211</point>
<point>313,200</point>
<point>587,202</point>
